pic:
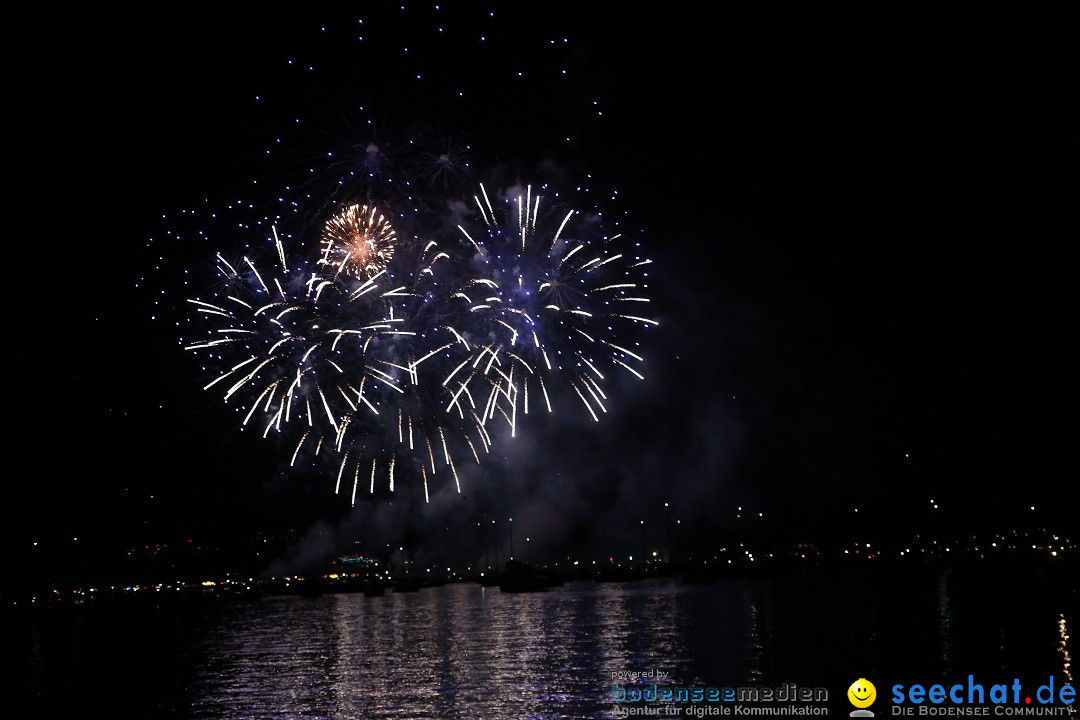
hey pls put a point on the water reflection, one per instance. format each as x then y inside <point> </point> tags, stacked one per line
<point>761,631</point>
<point>1063,647</point>
<point>466,651</point>
<point>945,623</point>
<point>458,651</point>
<point>1066,659</point>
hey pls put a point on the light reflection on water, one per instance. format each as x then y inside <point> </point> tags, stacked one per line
<point>1066,659</point>
<point>465,651</point>
<point>945,623</point>
<point>450,652</point>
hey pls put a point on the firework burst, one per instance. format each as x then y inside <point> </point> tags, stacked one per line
<point>350,336</point>
<point>553,301</point>
<point>340,366</point>
<point>358,240</point>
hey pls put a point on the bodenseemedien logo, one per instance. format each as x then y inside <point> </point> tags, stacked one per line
<point>862,694</point>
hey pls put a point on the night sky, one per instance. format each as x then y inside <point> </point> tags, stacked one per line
<point>864,228</point>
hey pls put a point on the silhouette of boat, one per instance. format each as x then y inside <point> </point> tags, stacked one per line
<point>618,573</point>
<point>489,579</point>
<point>406,585</point>
<point>309,587</point>
<point>374,589</point>
<point>520,577</point>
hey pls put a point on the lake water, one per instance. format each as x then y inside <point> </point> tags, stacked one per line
<point>463,651</point>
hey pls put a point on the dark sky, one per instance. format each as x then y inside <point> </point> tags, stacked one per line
<point>864,226</point>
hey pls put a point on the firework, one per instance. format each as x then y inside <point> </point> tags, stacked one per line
<point>391,360</point>
<point>346,368</point>
<point>359,241</point>
<point>553,302</point>
<point>355,341</point>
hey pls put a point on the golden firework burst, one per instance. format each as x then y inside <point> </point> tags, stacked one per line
<point>359,241</point>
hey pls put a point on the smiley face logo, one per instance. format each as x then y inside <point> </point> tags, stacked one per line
<point>862,693</point>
